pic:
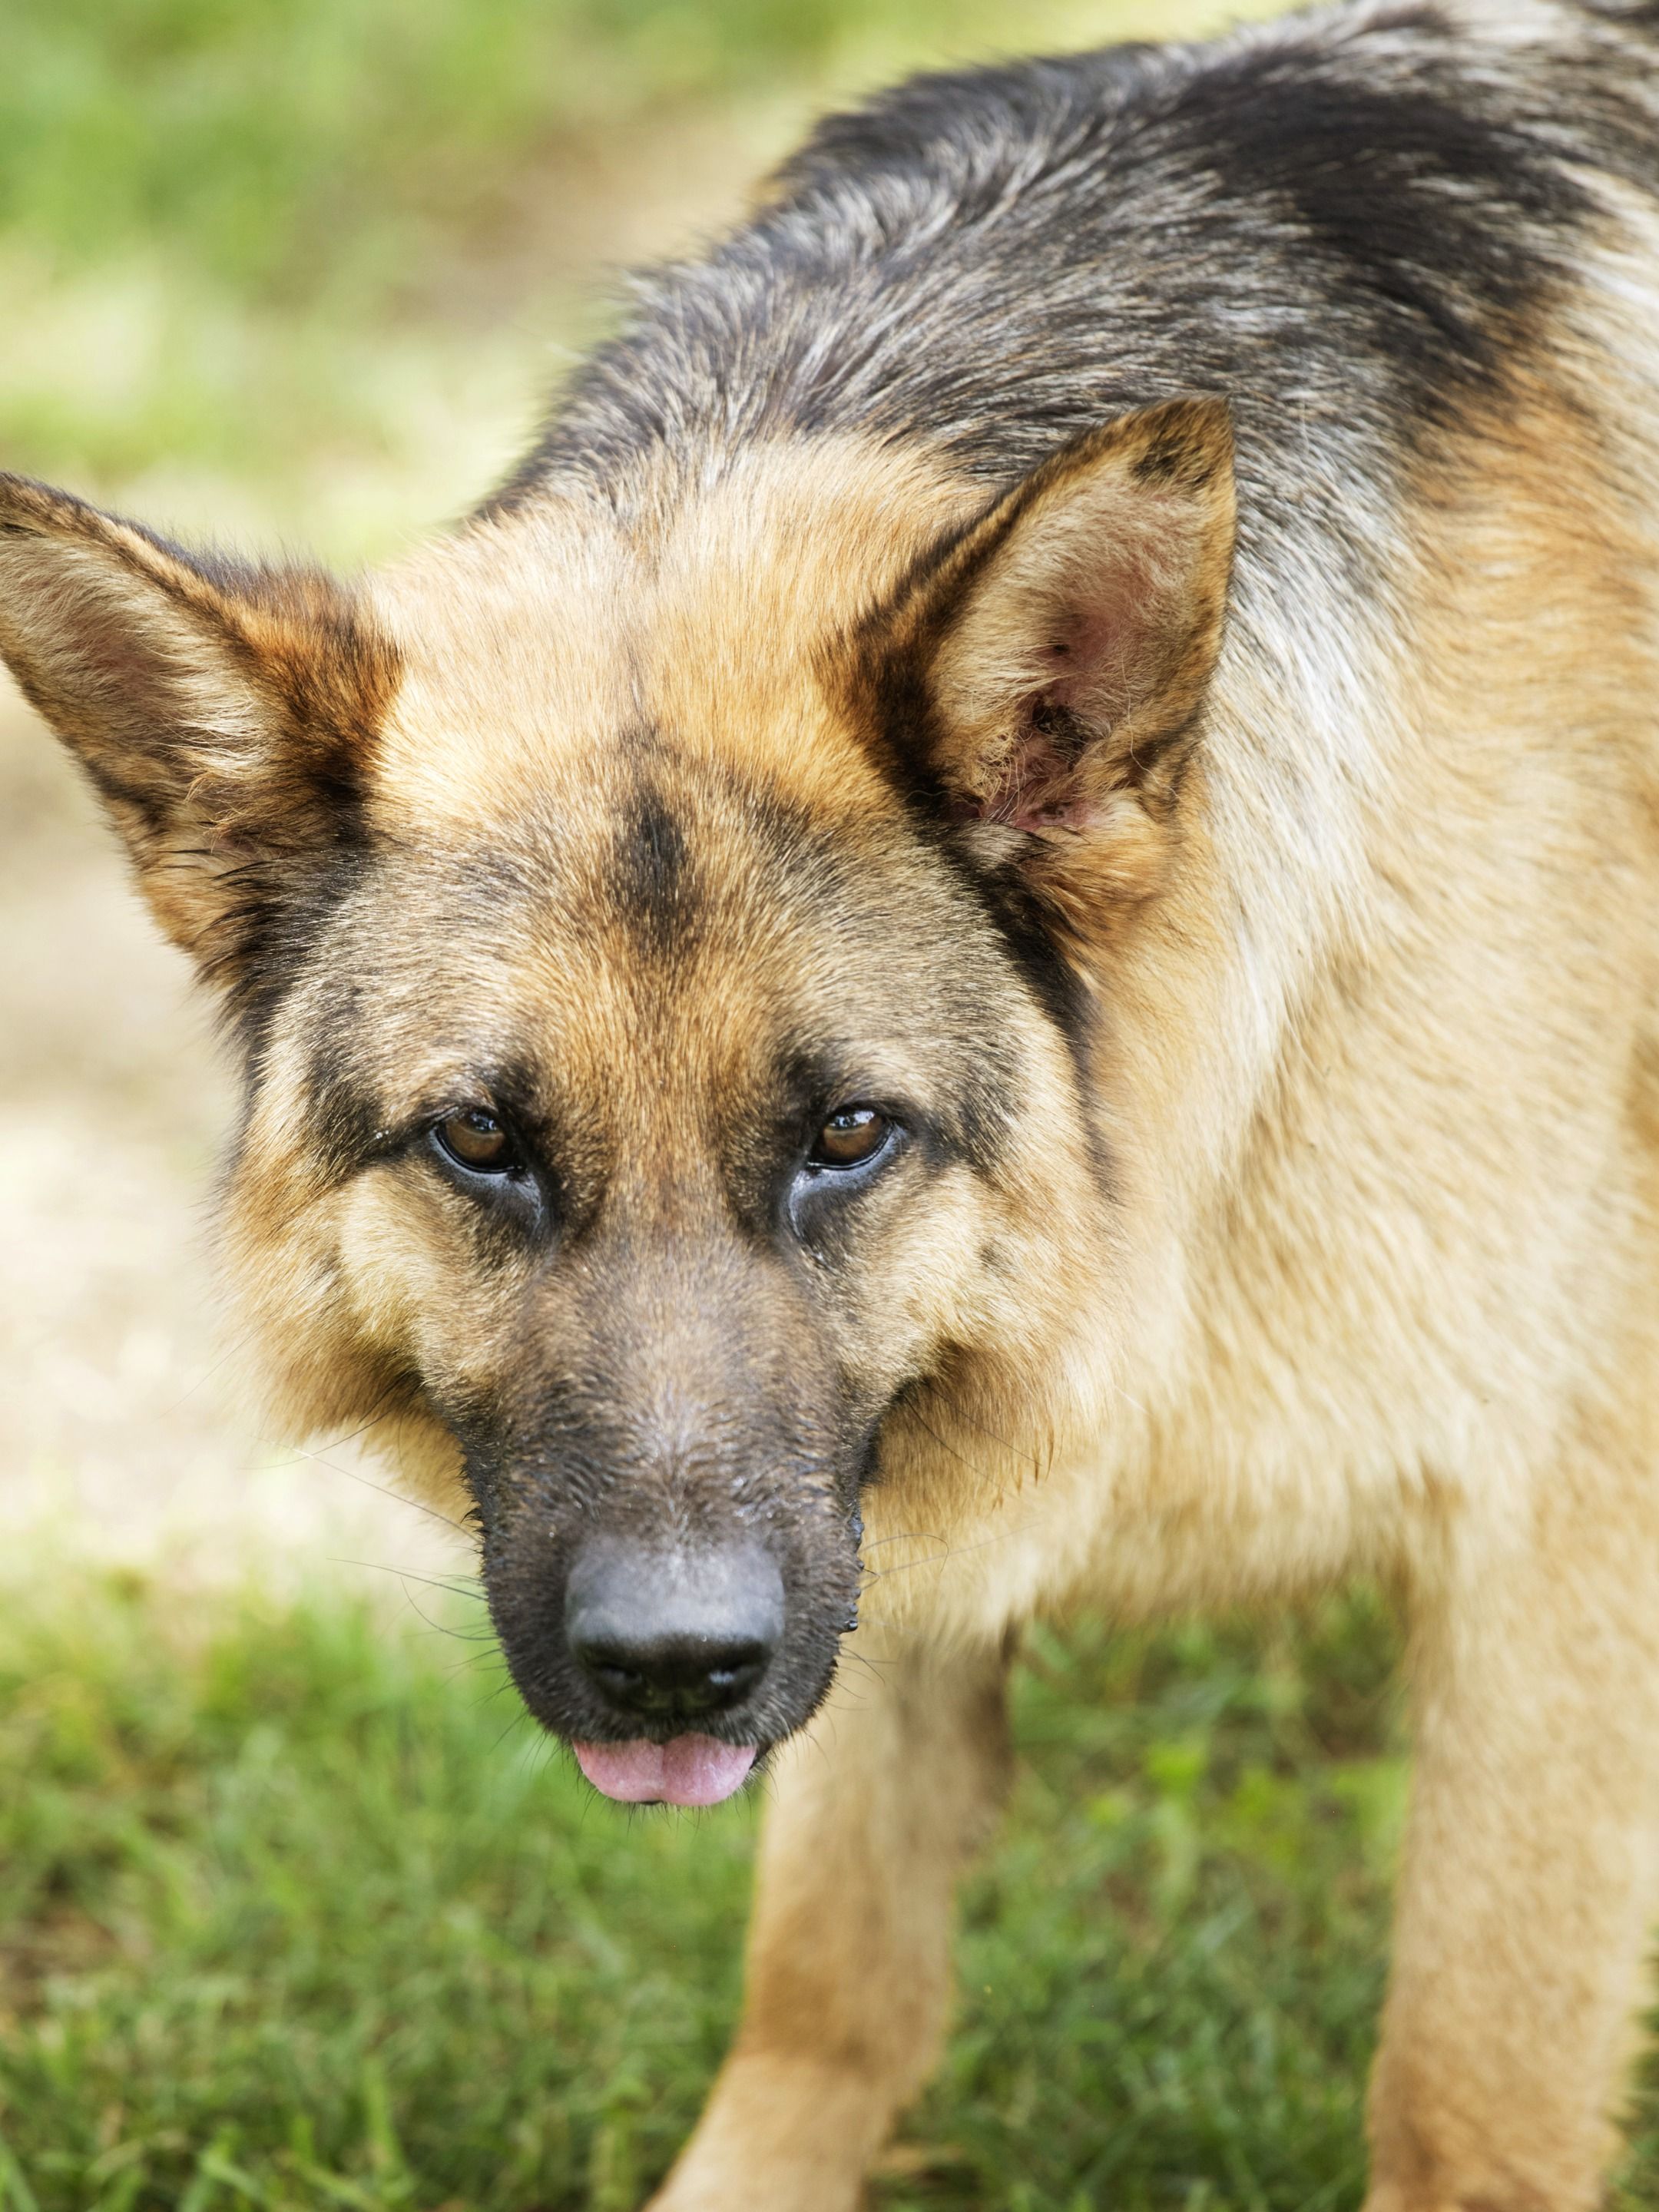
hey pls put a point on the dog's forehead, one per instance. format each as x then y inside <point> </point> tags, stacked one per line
<point>685,930</point>
<point>617,790</point>
<point>539,646</point>
<point>688,977</point>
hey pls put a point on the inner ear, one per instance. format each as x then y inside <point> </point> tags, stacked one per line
<point>1059,652</point>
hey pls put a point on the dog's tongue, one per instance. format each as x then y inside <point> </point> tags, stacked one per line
<point>688,1770</point>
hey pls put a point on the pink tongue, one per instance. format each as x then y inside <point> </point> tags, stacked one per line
<point>688,1770</point>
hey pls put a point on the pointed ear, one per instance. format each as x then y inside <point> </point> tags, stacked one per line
<point>226,715</point>
<point>1051,663</point>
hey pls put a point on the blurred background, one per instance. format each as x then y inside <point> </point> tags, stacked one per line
<point>296,1912</point>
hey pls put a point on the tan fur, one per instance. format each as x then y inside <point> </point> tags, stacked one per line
<point>1400,1314</point>
<point>200,706</point>
<point>1374,1284</point>
<point>1373,1298</point>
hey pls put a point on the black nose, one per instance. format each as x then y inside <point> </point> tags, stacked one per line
<point>676,1637</point>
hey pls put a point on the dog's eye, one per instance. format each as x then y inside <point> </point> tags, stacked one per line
<point>849,1138</point>
<point>474,1139</point>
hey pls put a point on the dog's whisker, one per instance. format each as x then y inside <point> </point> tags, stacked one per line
<point>459,1586</point>
<point>979,1474</point>
<point>234,1351</point>
<point>937,1559</point>
<point>386,1490</point>
<point>905,1536</point>
<point>1035,1460</point>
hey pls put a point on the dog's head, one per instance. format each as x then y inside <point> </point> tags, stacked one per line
<point>661,956</point>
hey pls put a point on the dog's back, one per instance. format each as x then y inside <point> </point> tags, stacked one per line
<point>1357,223</point>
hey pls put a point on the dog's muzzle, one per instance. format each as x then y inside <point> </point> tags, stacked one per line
<point>669,1641</point>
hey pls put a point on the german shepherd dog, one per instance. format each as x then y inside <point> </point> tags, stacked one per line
<point>1001,919</point>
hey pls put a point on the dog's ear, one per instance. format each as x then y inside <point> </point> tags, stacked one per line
<point>1045,670</point>
<point>225,714</point>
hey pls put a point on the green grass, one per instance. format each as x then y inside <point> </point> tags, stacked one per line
<point>297,1913</point>
<point>299,148</point>
<point>300,1914</point>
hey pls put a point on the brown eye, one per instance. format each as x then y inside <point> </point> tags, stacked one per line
<point>476,1141</point>
<point>846,1139</point>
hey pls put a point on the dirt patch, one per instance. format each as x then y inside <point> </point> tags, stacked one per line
<point>121,1434</point>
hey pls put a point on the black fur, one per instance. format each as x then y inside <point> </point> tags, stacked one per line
<point>656,883</point>
<point>1343,223</point>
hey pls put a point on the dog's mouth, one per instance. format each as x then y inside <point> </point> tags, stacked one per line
<point>686,1770</point>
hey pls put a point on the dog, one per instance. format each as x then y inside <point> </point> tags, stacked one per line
<point>990,944</point>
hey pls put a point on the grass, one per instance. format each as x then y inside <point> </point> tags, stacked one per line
<point>296,151</point>
<point>296,1913</point>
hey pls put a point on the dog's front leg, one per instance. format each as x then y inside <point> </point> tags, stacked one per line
<point>874,1810</point>
<point>1523,1912</point>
